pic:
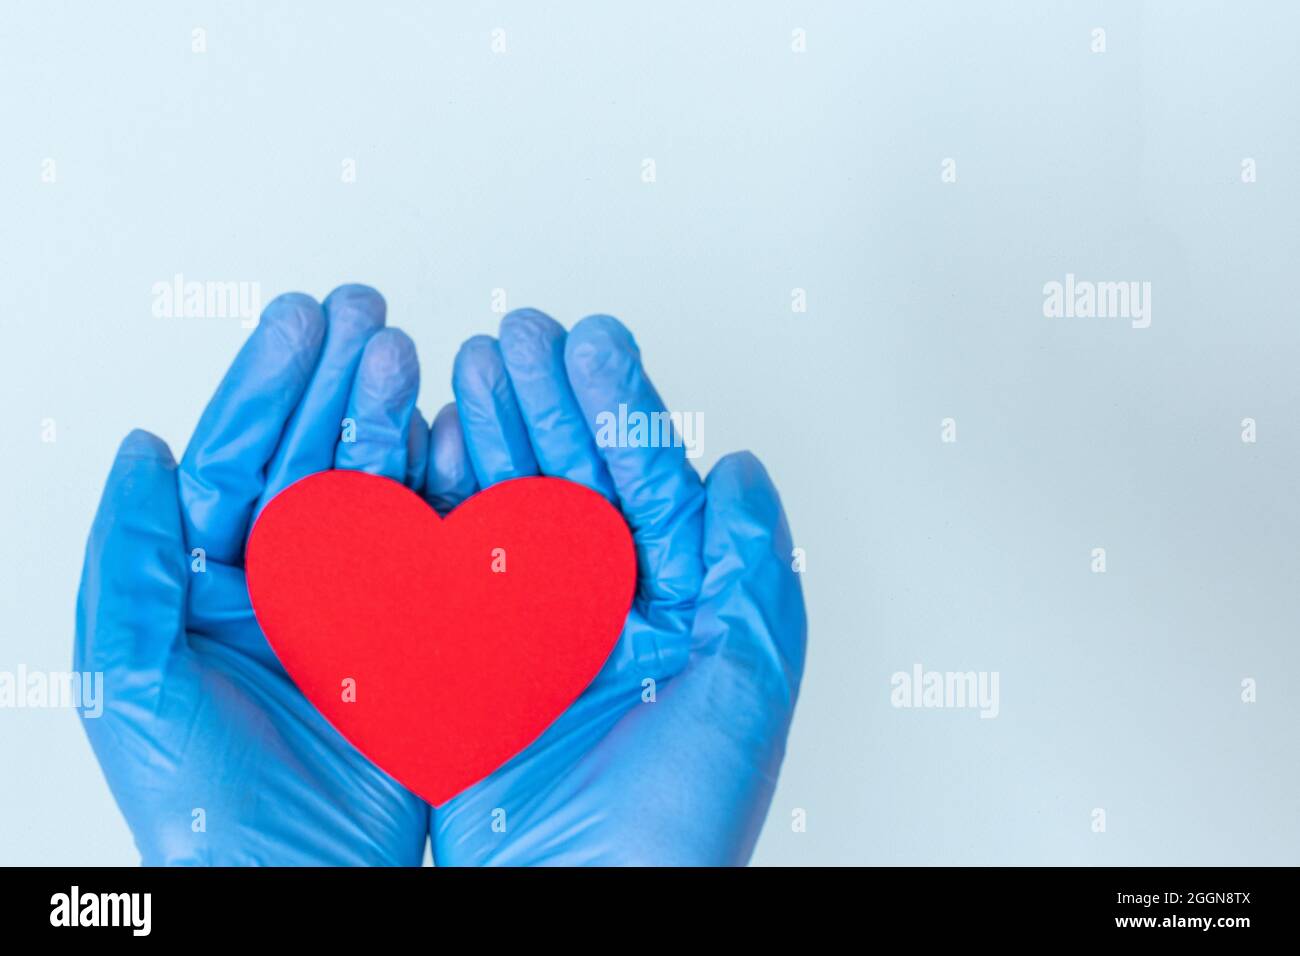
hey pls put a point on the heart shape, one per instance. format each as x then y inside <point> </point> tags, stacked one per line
<point>440,647</point>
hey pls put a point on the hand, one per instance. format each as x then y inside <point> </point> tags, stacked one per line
<point>211,752</point>
<point>717,624</point>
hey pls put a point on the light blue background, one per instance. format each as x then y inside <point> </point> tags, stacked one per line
<point>776,170</point>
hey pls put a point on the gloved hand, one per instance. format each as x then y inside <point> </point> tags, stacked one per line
<point>213,755</point>
<point>717,624</point>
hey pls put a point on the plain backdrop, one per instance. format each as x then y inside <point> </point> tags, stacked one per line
<point>775,170</point>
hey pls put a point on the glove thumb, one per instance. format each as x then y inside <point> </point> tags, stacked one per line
<point>131,606</point>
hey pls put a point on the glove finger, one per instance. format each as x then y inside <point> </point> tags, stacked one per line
<point>532,345</point>
<point>221,473</point>
<point>659,491</point>
<point>377,427</point>
<point>495,434</point>
<point>450,478</point>
<point>417,452</point>
<point>131,604</point>
<point>353,313</point>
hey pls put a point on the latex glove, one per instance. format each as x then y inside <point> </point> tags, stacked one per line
<point>212,754</point>
<point>717,623</point>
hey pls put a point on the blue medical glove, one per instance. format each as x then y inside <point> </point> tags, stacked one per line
<point>672,754</point>
<point>213,755</point>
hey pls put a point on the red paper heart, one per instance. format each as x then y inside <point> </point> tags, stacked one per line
<point>456,666</point>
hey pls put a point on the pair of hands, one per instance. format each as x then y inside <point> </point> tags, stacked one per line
<point>215,757</point>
